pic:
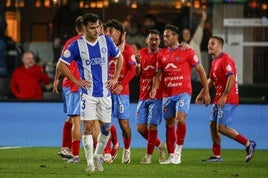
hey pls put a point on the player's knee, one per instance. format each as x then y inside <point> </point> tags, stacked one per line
<point>105,129</point>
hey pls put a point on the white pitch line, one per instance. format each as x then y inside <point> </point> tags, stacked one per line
<point>9,147</point>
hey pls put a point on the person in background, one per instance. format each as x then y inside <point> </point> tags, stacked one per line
<point>120,93</point>
<point>28,79</point>
<point>149,111</point>
<point>92,52</point>
<point>174,68</point>
<point>71,101</point>
<point>223,76</point>
<point>194,40</point>
<point>63,27</point>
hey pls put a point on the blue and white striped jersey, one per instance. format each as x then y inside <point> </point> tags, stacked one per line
<point>93,62</point>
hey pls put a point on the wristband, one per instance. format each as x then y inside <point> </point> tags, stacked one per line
<point>138,65</point>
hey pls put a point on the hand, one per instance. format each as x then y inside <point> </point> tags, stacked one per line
<point>138,58</point>
<point>84,84</point>
<point>185,46</point>
<point>222,101</point>
<point>203,98</point>
<point>204,16</point>
<point>152,93</point>
<point>111,83</point>
<point>121,46</point>
<point>118,88</point>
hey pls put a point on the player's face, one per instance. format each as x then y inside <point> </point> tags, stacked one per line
<point>169,38</point>
<point>153,41</point>
<point>214,47</point>
<point>113,33</point>
<point>92,31</point>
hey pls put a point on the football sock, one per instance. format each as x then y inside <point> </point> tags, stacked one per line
<point>178,149</point>
<point>114,138</point>
<point>127,142</point>
<point>102,141</point>
<point>152,136</point>
<point>88,147</point>
<point>216,148</point>
<point>107,148</point>
<point>157,141</point>
<point>241,139</point>
<point>180,133</point>
<point>170,139</point>
<point>67,135</point>
<point>75,147</point>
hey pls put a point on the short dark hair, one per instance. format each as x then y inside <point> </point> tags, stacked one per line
<point>115,24</point>
<point>220,39</point>
<point>153,31</point>
<point>173,28</point>
<point>79,23</point>
<point>90,17</point>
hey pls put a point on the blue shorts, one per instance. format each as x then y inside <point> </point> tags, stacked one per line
<point>120,106</point>
<point>149,112</point>
<point>178,103</point>
<point>71,102</point>
<point>223,116</point>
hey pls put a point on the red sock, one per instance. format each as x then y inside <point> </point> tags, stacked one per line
<point>180,133</point>
<point>157,142</point>
<point>113,136</point>
<point>170,139</point>
<point>127,142</point>
<point>241,139</point>
<point>95,144</point>
<point>76,147</point>
<point>152,136</point>
<point>216,148</point>
<point>107,149</point>
<point>67,135</point>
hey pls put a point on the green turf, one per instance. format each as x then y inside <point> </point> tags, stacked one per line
<point>44,162</point>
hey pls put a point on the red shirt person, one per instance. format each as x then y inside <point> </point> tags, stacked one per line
<point>27,80</point>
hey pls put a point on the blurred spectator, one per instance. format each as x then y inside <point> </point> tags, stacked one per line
<point>194,40</point>
<point>132,27</point>
<point>3,51</point>
<point>151,21</point>
<point>63,25</point>
<point>27,80</point>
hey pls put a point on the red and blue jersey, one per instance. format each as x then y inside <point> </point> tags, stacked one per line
<point>223,66</point>
<point>176,66</point>
<point>128,71</point>
<point>148,69</point>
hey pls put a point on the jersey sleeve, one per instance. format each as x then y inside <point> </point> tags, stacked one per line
<point>193,58</point>
<point>70,53</point>
<point>113,50</point>
<point>228,66</point>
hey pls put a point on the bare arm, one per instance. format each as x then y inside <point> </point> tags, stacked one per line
<point>205,91</point>
<point>228,87</point>
<point>156,82</point>
<point>119,65</point>
<point>138,66</point>
<point>56,79</point>
<point>62,67</point>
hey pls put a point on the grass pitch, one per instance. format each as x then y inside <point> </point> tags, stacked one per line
<point>44,162</point>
